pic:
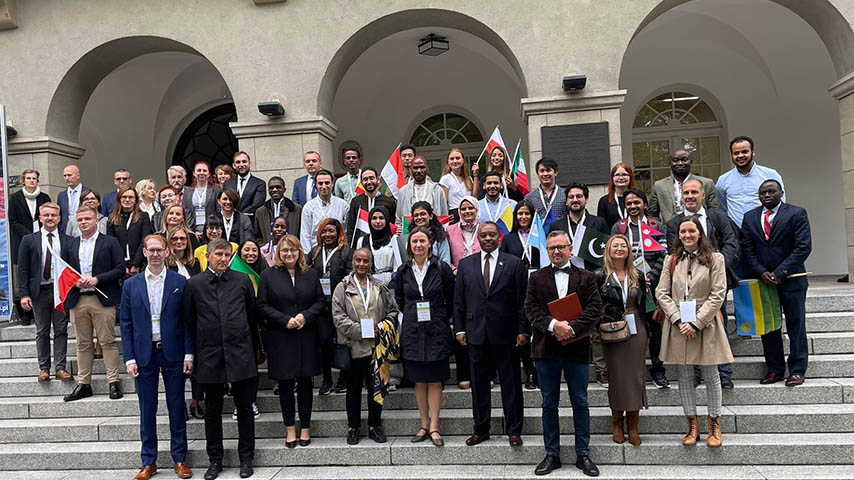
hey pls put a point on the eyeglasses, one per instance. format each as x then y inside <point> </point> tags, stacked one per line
<point>556,248</point>
<point>213,228</point>
<point>155,251</point>
<point>622,175</point>
<point>128,197</point>
<point>289,250</point>
<point>179,239</point>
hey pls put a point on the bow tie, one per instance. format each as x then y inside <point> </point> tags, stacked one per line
<point>564,269</point>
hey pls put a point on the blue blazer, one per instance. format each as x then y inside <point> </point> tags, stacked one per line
<point>62,200</point>
<point>298,194</point>
<point>30,267</point>
<point>786,249</point>
<point>108,265</point>
<point>108,202</point>
<point>254,194</point>
<point>135,320</point>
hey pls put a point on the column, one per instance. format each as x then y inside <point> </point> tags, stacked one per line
<point>842,91</point>
<point>48,155</point>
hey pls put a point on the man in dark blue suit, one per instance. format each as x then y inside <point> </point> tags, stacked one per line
<point>121,177</point>
<point>304,187</point>
<point>251,189</point>
<point>775,243</point>
<point>489,318</point>
<point>70,199</point>
<point>156,339</point>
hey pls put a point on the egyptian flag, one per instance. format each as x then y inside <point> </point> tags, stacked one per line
<point>392,173</point>
<point>363,228</point>
<point>64,279</point>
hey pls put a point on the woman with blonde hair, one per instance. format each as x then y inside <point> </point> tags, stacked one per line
<point>291,300</point>
<point>691,291</point>
<point>223,173</point>
<point>623,300</point>
<point>146,189</point>
<point>456,181</point>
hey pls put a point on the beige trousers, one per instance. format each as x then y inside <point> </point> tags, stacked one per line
<point>86,316</point>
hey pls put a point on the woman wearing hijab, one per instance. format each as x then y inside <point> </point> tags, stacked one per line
<point>462,236</point>
<point>381,242</point>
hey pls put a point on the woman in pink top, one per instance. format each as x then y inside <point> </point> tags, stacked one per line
<point>462,236</point>
<point>268,250</point>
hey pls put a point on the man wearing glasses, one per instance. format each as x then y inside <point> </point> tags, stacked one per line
<point>554,358</point>
<point>121,177</point>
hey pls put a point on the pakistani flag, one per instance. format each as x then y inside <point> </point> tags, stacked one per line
<point>238,265</point>
<point>590,245</point>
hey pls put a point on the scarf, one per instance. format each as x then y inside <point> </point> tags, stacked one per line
<point>380,238</point>
<point>387,350</point>
<point>32,196</point>
<point>470,226</point>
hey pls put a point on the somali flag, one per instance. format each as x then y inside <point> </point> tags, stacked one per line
<point>757,308</point>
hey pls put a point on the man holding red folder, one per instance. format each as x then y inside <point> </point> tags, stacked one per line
<point>552,357</point>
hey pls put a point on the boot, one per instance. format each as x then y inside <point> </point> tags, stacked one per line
<point>617,417</point>
<point>632,427</point>
<point>693,434</point>
<point>714,437</point>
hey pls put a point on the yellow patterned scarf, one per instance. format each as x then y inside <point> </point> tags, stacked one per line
<point>387,349</point>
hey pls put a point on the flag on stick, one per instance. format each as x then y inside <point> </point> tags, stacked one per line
<point>392,172</point>
<point>505,220</point>
<point>649,243</point>
<point>494,141</point>
<point>757,308</point>
<point>64,279</point>
<point>362,226</point>
<point>519,173</point>
<point>590,245</point>
<point>537,238</point>
<point>408,225</point>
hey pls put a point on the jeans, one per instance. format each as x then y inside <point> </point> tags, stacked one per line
<point>577,377</point>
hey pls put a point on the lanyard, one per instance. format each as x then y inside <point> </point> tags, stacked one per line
<point>623,213</point>
<point>571,233</point>
<point>688,280</point>
<point>350,181</point>
<point>199,196</point>
<point>227,226</point>
<point>468,244</point>
<point>547,206</point>
<point>526,247</point>
<point>494,216</point>
<point>419,275</point>
<point>127,232</point>
<point>631,239</point>
<point>327,257</point>
<point>624,287</point>
<point>366,297</point>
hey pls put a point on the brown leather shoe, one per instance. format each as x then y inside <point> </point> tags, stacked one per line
<point>183,470</point>
<point>690,438</point>
<point>62,374</point>
<point>476,439</point>
<point>147,472</point>
<point>617,425</point>
<point>714,438</point>
<point>795,380</point>
<point>771,378</point>
<point>515,441</point>
<point>632,419</point>
<point>44,375</point>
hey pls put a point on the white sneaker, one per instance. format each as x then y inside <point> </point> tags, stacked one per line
<point>234,414</point>
<point>256,411</point>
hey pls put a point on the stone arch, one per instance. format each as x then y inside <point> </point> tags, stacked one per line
<point>393,23</point>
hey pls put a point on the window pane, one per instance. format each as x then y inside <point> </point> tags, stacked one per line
<point>640,154</point>
<point>711,171</point>
<point>644,117</point>
<point>692,145</point>
<point>659,104</point>
<point>434,123</point>
<point>454,121</point>
<point>419,138</point>
<point>472,133</point>
<point>659,173</point>
<point>704,113</point>
<point>710,150</point>
<point>661,153</point>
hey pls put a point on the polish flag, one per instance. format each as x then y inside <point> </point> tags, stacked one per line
<point>494,141</point>
<point>63,281</point>
<point>392,173</point>
<point>649,244</point>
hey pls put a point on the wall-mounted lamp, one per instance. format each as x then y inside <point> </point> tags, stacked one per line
<point>433,45</point>
<point>271,109</point>
<point>574,83</point>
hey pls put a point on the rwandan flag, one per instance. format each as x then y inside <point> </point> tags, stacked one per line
<point>757,308</point>
<point>238,265</point>
<point>505,220</point>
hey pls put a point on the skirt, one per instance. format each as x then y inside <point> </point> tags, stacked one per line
<point>626,370</point>
<point>427,372</point>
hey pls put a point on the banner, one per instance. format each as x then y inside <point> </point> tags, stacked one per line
<point>5,267</point>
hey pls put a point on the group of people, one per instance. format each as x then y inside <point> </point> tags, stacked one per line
<point>434,277</point>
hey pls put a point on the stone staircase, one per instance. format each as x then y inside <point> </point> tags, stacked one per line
<point>768,431</point>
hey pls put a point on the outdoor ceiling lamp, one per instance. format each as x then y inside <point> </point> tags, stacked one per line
<point>433,45</point>
<point>574,83</point>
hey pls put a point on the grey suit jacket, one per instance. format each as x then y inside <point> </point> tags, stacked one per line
<point>662,200</point>
<point>211,206</point>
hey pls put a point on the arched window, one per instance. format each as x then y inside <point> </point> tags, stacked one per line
<point>675,119</point>
<point>208,138</point>
<point>435,136</point>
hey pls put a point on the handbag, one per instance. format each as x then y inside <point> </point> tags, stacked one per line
<point>341,357</point>
<point>658,315</point>
<point>615,331</point>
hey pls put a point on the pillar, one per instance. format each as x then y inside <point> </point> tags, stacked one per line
<point>48,155</point>
<point>843,90</point>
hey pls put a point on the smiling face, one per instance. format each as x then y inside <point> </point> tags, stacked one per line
<point>201,173</point>
<point>249,253</point>
<point>619,250</point>
<point>288,255</point>
<point>49,217</point>
<point>468,212</point>
<point>689,235</point>
<point>168,198</point>
<point>575,200</point>
<point>174,216</point>
<point>276,189</point>
<point>496,159</point>
<point>177,179</point>
<point>421,218</point>
<point>241,164</point>
<point>680,163</point>
<point>420,244</point>
<point>90,200</point>
<point>222,176</point>
<point>546,176</point>
<point>361,263</point>
<point>559,249</point>
<point>634,205</point>
<point>492,185</point>
<point>369,181</point>
<point>455,162</point>
<point>324,186</point>
<point>225,203</point>
<point>213,232</point>
<point>352,161</point>
<point>693,195</point>
<point>329,235</point>
<point>378,221</point>
<point>742,155</point>
<point>179,241</point>
<point>621,178</point>
<point>128,200</point>
<point>523,218</point>
<point>488,236</point>
<point>280,229</point>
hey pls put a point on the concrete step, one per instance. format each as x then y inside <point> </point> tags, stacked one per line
<point>746,392</point>
<point>28,332</point>
<point>737,449</point>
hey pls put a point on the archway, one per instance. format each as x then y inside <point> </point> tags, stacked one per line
<point>770,79</point>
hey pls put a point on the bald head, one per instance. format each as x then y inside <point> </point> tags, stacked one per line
<point>680,163</point>
<point>71,174</point>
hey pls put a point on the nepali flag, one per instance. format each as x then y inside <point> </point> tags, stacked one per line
<point>392,173</point>
<point>518,172</point>
<point>649,244</point>
<point>363,228</point>
<point>64,278</point>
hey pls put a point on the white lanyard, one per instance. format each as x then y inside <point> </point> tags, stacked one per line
<point>629,234</point>
<point>326,258</point>
<point>547,206</point>
<point>371,202</point>
<point>277,207</point>
<point>127,231</point>
<point>526,248</point>
<point>622,213</point>
<point>624,287</point>
<point>468,244</point>
<point>494,217</point>
<point>419,275</point>
<point>199,195</point>
<point>366,297</point>
<point>569,224</point>
<point>227,226</point>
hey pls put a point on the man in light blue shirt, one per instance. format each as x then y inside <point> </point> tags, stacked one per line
<point>737,188</point>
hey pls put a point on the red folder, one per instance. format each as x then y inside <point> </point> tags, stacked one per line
<point>567,308</point>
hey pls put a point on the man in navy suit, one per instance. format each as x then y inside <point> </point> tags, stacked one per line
<point>304,187</point>
<point>775,243</point>
<point>121,177</point>
<point>489,318</point>
<point>251,189</point>
<point>69,200</point>
<point>156,339</point>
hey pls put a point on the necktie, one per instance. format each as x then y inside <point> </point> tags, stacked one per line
<point>313,187</point>
<point>697,215</point>
<point>242,182</point>
<point>766,224</point>
<point>48,258</point>
<point>486,273</point>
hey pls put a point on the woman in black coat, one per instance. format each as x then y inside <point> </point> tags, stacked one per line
<point>290,300</point>
<point>24,209</point>
<point>425,337</point>
<point>332,259</point>
<point>130,226</point>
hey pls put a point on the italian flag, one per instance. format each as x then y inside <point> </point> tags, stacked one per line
<point>64,279</point>
<point>518,172</point>
<point>392,173</point>
<point>239,265</point>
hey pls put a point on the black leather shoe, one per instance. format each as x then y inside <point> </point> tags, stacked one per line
<point>325,387</point>
<point>80,391</point>
<point>340,387</point>
<point>115,390</point>
<point>246,470</point>
<point>213,471</point>
<point>547,465</point>
<point>376,434</point>
<point>587,466</point>
<point>726,383</point>
<point>530,383</point>
<point>353,436</point>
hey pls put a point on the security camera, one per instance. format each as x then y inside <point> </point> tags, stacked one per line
<point>271,109</point>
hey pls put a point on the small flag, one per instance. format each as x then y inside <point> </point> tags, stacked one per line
<point>359,189</point>
<point>494,141</point>
<point>519,173</point>
<point>64,279</point>
<point>550,218</point>
<point>649,243</point>
<point>505,220</point>
<point>757,308</point>
<point>362,226</point>
<point>407,222</point>
<point>537,238</point>
<point>393,227</point>
<point>392,172</point>
<point>590,245</point>
<point>239,265</point>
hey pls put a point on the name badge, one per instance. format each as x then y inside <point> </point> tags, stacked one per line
<point>155,323</point>
<point>530,271</point>
<point>688,311</point>
<point>630,321</point>
<point>326,284</point>
<point>87,273</point>
<point>367,328</point>
<point>423,309</point>
<point>200,217</point>
<point>383,277</point>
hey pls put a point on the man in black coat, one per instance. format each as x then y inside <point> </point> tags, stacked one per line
<point>775,242</point>
<point>489,318</point>
<point>219,307</point>
<point>251,189</point>
<point>555,359</point>
<point>577,195</point>
<point>24,220</point>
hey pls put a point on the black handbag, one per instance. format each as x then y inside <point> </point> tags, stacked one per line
<point>341,357</point>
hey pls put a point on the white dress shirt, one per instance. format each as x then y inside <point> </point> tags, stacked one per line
<point>771,217</point>
<point>86,256</point>
<point>314,212</point>
<point>493,261</point>
<point>701,216</point>
<point>562,284</point>
<point>241,184</point>
<point>57,248</point>
<point>154,283</point>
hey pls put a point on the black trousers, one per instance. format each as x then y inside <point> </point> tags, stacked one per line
<point>655,347</point>
<point>527,362</point>
<point>484,360</point>
<point>304,399</point>
<point>244,391</point>
<point>461,356</point>
<point>360,374</point>
<point>793,301</point>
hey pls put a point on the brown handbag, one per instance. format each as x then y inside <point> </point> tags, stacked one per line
<point>658,315</point>
<point>616,331</point>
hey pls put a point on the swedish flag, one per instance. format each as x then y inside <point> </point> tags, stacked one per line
<point>757,308</point>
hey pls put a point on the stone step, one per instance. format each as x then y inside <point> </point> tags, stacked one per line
<point>667,450</point>
<point>746,392</point>
<point>466,472</point>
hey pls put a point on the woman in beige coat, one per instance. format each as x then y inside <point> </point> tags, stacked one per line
<point>360,296</point>
<point>691,297</point>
